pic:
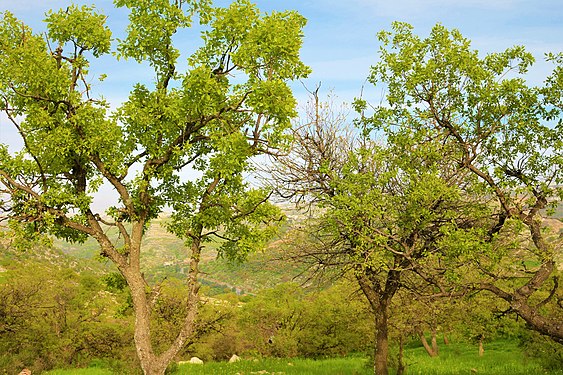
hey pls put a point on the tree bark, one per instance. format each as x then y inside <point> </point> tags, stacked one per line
<point>446,339</point>
<point>429,349</point>
<point>381,342</point>
<point>519,302</point>
<point>156,363</point>
<point>379,301</point>
<point>400,363</point>
<point>434,342</point>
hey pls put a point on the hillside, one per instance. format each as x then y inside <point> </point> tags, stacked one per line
<point>164,255</point>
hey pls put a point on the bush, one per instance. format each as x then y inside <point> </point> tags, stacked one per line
<point>545,351</point>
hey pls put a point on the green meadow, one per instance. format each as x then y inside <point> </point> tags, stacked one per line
<point>500,358</point>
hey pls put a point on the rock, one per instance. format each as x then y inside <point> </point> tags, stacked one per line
<point>196,360</point>
<point>234,358</point>
<point>25,371</point>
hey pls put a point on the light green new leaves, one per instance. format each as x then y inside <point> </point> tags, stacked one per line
<point>152,25</point>
<point>41,91</point>
<point>196,120</point>
<point>271,47</point>
<point>239,219</point>
<point>380,209</point>
<point>264,47</point>
<point>203,94</point>
<point>27,68</point>
<point>199,118</point>
<point>84,28</point>
<point>441,87</point>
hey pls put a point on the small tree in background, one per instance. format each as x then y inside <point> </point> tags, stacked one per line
<point>200,119</point>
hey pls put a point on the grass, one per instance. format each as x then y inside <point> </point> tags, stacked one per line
<point>336,366</point>
<point>82,371</point>
<point>500,358</point>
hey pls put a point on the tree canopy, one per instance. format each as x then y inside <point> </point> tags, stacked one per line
<point>230,104</point>
<point>504,132</point>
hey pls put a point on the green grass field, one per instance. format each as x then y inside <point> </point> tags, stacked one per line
<point>343,366</point>
<point>500,358</point>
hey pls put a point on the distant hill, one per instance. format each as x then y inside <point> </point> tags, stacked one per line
<point>164,255</point>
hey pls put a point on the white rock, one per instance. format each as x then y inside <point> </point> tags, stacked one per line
<point>234,358</point>
<point>196,360</point>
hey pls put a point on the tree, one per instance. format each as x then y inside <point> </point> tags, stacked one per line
<point>378,210</point>
<point>231,104</point>
<point>505,133</point>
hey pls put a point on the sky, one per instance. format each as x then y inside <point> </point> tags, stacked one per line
<point>340,41</point>
<point>340,37</point>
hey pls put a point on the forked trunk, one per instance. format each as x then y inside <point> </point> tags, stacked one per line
<point>150,363</point>
<point>156,363</point>
<point>431,350</point>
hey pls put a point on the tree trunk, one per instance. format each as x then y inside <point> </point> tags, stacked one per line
<point>481,347</point>
<point>381,342</point>
<point>142,325</point>
<point>151,362</point>
<point>434,343</point>
<point>429,349</point>
<point>379,301</point>
<point>142,337</point>
<point>400,364</point>
<point>446,339</point>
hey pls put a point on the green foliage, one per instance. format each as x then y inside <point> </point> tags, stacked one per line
<point>69,312</point>
<point>439,86</point>
<point>114,282</point>
<point>497,139</point>
<point>198,119</point>
<point>195,118</point>
<point>542,350</point>
<point>286,321</point>
<point>82,27</point>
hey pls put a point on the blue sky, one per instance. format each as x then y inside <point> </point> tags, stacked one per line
<point>340,43</point>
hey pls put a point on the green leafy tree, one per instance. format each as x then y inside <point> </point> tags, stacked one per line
<point>230,104</point>
<point>338,323</point>
<point>378,211</point>
<point>505,135</point>
<point>273,320</point>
